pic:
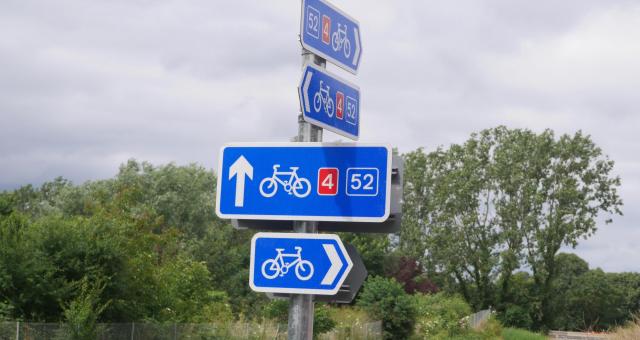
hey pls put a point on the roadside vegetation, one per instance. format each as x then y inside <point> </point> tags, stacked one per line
<point>483,225</point>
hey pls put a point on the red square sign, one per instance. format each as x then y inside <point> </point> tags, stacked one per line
<point>328,181</point>
<point>326,29</point>
<point>339,105</point>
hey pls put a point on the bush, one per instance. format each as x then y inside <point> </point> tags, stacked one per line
<point>83,311</point>
<point>322,321</point>
<point>440,315</point>
<point>385,299</point>
<point>516,316</point>
<point>277,310</point>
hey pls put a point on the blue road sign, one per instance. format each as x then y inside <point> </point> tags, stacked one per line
<point>330,102</point>
<point>304,181</point>
<point>330,33</point>
<point>298,263</point>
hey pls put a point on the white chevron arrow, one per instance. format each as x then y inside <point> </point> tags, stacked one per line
<point>336,264</point>
<point>357,52</point>
<point>305,91</point>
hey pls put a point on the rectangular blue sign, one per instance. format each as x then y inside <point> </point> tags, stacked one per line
<point>330,33</point>
<point>298,263</point>
<point>330,102</point>
<point>304,181</point>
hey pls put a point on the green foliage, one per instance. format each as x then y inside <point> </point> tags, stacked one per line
<point>491,329</point>
<point>440,315</point>
<point>150,234</point>
<point>385,299</point>
<point>516,316</point>
<point>82,313</point>
<point>373,249</point>
<point>277,310</point>
<point>520,334</point>
<point>477,211</point>
<point>322,320</point>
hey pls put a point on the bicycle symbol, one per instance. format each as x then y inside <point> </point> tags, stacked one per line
<point>322,97</point>
<point>299,186</point>
<point>276,266</point>
<point>339,40</point>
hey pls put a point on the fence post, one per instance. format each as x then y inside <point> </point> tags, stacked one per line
<point>17,330</point>
<point>133,329</point>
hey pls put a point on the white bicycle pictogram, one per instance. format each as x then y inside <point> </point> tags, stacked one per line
<point>322,98</point>
<point>339,40</point>
<point>277,266</point>
<point>298,186</point>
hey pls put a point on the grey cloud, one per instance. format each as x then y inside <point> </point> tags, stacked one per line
<point>84,85</point>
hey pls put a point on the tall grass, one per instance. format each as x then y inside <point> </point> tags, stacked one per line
<point>630,332</point>
<point>521,334</point>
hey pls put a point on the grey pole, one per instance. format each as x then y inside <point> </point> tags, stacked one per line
<point>301,305</point>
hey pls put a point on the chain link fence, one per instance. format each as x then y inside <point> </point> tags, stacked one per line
<point>153,331</point>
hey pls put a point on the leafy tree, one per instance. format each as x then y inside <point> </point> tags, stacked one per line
<point>408,272</point>
<point>594,302</point>
<point>502,199</point>
<point>569,269</point>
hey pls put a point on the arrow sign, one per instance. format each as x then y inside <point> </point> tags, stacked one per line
<point>239,169</point>
<point>330,33</point>
<point>305,182</point>
<point>298,263</point>
<point>330,102</point>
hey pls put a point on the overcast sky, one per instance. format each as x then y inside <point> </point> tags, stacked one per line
<point>86,85</point>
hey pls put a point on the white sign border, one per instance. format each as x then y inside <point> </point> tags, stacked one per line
<point>387,208</point>
<point>352,70</point>
<point>320,123</point>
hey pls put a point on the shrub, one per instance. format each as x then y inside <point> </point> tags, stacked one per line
<point>83,311</point>
<point>440,315</point>
<point>385,299</point>
<point>277,310</point>
<point>516,316</point>
<point>322,321</point>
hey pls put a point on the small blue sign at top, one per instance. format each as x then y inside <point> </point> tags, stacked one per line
<point>330,102</point>
<point>330,33</point>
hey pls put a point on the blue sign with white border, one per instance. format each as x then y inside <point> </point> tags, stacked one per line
<point>330,33</point>
<point>298,263</point>
<point>304,181</point>
<point>330,102</point>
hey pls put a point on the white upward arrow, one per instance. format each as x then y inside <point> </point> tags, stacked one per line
<point>240,168</point>
<point>336,264</point>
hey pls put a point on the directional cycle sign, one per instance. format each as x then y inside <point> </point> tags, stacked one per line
<point>330,102</point>
<point>304,181</point>
<point>330,33</point>
<point>298,263</point>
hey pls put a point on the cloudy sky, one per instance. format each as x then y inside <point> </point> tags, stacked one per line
<point>86,85</point>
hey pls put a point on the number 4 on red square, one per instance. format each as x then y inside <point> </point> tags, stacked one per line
<point>328,181</point>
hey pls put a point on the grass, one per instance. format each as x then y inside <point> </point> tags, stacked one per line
<point>630,332</point>
<point>520,334</point>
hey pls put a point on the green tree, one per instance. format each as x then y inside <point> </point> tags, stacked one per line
<point>502,199</point>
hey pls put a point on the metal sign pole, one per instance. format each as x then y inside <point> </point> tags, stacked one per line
<point>301,305</point>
